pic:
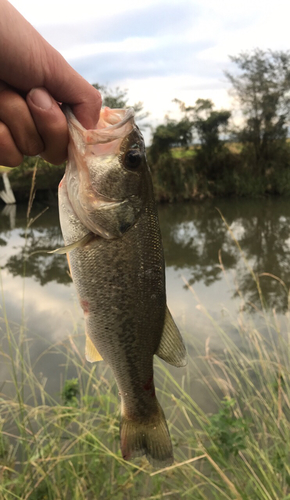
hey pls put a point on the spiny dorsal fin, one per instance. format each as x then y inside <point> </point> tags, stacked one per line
<point>91,353</point>
<point>171,347</point>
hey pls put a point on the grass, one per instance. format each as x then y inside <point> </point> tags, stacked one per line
<point>180,153</point>
<point>67,446</point>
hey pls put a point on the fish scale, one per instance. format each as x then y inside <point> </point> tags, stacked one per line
<point>119,272</point>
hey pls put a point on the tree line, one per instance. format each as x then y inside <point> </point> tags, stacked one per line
<point>250,159</point>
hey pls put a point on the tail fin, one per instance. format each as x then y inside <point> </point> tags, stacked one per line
<point>150,438</point>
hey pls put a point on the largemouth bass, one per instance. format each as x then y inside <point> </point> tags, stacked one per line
<point>111,231</point>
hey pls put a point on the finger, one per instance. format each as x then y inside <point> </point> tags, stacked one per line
<point>16,116</point>
<point>10,156</point>
<point>68,87</point>
<point>51,125</point>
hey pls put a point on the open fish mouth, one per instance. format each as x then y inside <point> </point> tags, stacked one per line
<point>112,125</point>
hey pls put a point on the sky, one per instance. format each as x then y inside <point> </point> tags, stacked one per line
<point>159,49</point>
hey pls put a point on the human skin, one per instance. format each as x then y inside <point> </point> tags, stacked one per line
<point>34,79</point>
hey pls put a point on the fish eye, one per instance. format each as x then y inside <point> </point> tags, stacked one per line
<point>133,159</point>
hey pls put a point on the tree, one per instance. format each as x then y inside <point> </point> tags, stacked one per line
<point>208,125</point>
<point>170,135</point>
<point>173,178</point>
<point>209,160</point>
<point>118,98</point>
<point>262,86</point>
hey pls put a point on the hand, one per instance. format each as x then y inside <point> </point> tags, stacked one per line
<point>34,78</point>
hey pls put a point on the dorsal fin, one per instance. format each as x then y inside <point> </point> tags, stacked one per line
<point>91,353</point>
<point>171,347</point>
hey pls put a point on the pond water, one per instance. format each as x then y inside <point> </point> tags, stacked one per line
<point>209,278</point>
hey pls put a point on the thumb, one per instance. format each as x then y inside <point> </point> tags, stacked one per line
<point>87,112</point>
<point>69,87</point>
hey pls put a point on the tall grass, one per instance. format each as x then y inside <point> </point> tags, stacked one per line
<point>67,446</point>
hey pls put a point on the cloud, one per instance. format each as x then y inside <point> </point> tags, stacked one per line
<point>167,60</point>
<point>159,19</point>
<point>159,49</point>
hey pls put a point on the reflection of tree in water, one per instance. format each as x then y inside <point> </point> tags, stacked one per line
<point>43,266</point>
<point>194,234</point>
<point>266,245</point>
<point>44,235</point>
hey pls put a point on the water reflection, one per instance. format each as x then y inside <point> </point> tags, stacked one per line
<point>193,237</point>
<point>195,234</point>
<point>10,211</point>
<point>43,236</point>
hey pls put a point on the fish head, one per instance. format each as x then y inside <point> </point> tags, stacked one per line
<point>107,177</point>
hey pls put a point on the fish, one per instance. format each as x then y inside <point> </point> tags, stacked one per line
<point>110,227</point>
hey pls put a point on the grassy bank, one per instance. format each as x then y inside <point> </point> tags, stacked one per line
<point>189,174</point>
<point>66,446</point>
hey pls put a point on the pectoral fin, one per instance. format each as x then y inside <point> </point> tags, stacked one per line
<point>91,352</point>
<point>171,347</point>
<point>68,261</point>
<point>78,244</point>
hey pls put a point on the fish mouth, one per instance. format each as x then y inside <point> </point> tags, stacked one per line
<point>114,118</point>
<point>113,124</point>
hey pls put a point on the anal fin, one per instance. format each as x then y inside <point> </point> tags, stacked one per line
<point>171,347</point>
<point>91,353</point>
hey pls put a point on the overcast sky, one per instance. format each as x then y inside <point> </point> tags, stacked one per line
<point>159,49</point>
